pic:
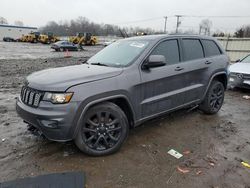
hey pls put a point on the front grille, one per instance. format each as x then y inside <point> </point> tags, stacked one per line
<point>246,76</point>
<point>31,96</point>
<point>240,76</point>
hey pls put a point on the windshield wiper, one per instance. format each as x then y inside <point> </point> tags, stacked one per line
<point>100,64</point>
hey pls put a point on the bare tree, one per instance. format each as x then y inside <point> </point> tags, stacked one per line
<point>244,31</point>
<point>219,34</point>
<point>205,27</point>
<point>18,23</point>
<point>82,24</point>
<point>3,20</point>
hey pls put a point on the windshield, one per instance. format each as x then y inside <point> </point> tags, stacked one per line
<point>246,59</point>
<point>119,54</point>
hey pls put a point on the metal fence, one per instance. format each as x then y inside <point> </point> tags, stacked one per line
<point>236,48</point>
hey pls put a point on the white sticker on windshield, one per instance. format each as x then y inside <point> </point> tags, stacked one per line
<point>137,44</point>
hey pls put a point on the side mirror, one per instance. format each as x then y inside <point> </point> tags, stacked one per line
<point>238,60</point>
<point>154,61</point>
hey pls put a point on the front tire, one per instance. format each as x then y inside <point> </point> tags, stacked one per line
<point>213,99</point>
<point>103,130</point>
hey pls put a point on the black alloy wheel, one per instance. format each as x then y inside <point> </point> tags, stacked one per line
<point>103,130</point>
<point>214,98</point>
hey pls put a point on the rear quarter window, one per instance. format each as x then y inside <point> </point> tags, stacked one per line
<point>211,48</point>
<point>192,49</point>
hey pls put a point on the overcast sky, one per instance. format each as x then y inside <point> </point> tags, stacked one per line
<point>124,13</point>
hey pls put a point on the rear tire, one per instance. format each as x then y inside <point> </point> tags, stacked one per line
<point>214,98</point>
<point>61,49</point>
<point>103,130</point>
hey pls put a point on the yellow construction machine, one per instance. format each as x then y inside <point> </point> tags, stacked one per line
<point>48,38</point>
<point>24,38</point>
<point>31,37</point>
<point>84,38</point>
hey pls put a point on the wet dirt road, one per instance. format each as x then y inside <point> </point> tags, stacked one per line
<point>213,145</point>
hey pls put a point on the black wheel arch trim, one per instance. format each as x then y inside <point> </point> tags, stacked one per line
<point>86,105</point>
<point>212,78</point>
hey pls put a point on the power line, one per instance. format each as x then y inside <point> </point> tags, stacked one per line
<point>137,21</point>
<point>188,16</point>
<point>203,16</point>
<point>178,22</point>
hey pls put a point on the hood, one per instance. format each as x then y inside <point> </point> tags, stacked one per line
<point>243,68</point>
<point>60,79</point>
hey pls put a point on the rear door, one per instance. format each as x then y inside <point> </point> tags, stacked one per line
<point>195,67</point>
<point>214,58</point>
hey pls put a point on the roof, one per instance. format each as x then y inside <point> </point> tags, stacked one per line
<point>162,36</point>
<point>147,37</point>
<point>18,27</point>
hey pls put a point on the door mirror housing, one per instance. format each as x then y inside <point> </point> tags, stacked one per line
<point>154,61</point>
<point>238,60</point>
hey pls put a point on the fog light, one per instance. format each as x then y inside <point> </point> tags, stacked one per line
<point>52,124</point>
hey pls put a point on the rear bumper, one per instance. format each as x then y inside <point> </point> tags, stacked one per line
<point>54,121</point>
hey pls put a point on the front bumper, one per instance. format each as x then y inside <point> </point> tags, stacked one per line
<point>54,121</point>
<point>54,47</point>
<point>238,80</point>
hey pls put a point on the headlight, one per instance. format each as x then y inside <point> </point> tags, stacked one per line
<point>232,74</point>
<point>58,98</point>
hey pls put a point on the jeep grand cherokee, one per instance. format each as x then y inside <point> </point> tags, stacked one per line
<point>125,84</point>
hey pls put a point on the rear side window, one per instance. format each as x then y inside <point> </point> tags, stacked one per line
<point>211,49</point>
<point>192,49</point>
<point>169,49</point>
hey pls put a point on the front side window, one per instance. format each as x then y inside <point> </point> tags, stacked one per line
<point>211,49</point>
<point>169,49</point>
<point>192,49</point>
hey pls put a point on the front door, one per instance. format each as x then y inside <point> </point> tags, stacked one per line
<point>161,86</point>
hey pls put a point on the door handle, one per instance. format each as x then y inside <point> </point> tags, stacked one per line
<point>208,62</point>
<point>178,68</point>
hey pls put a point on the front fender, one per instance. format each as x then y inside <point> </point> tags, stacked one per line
<point>93,100</point>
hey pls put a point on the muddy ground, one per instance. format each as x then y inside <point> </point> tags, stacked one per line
<point>213,146</point>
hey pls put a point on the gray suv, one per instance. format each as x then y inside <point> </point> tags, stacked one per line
<point>130,81</point>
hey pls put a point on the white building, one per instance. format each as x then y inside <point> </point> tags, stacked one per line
<point>15,31</point>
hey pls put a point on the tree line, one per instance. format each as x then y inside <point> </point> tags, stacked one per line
<point>82,24</point>
<point>242,32</point>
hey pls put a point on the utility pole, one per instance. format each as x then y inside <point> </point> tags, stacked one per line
<point>165,26</point>
<point>178,22</point>
<point>200,30</point>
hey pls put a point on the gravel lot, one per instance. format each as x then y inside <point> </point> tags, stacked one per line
<point>34,51</point>
<point>213,146</point>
